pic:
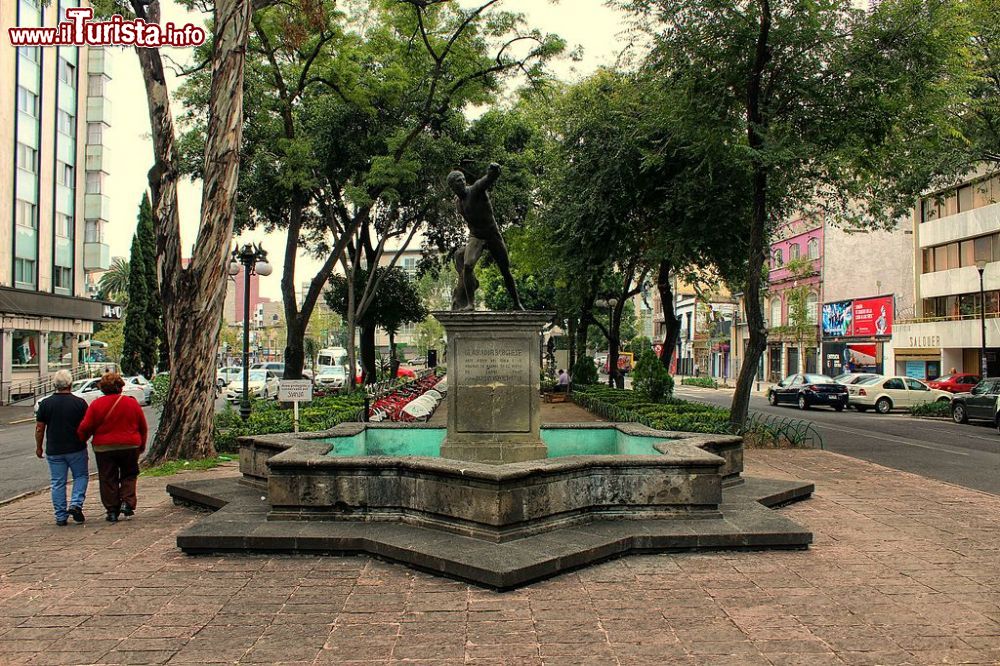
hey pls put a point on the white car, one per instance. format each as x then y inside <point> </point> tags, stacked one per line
<point>223,376</point>
<point>274,366</point>
<point>263,384</point>
<point>885,394</point>
<point>144,384</point>
<point>89,391</point>
<point>334,376</point>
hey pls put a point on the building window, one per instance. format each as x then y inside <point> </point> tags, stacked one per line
<point>64,225</point>
<point>62,277</point>
<point>27,102</point>
<point>94,182</point>
<point>410,266</point>
<point>24,271</point>
<point>93,232</point>
<point>812,307</point>
<point>776,312</point>
<point>793,252</point>
<point>29,53</point>
<point>27,158</point>
<point>95,133</point>
<point>779,259</point>
<point>24,350</point>
<point>67,72</point>
<point>812,248</point>
<point>26,214</point>
<point>65,174</point>
<point>60,350</point>
<point>95,85</point>
<point>65,122</point>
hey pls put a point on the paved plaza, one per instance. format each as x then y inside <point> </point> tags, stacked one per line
<point>903,570</point>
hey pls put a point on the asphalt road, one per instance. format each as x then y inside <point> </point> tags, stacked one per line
<point>966,455</point>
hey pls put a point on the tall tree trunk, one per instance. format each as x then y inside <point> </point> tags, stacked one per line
<point>368,353</point>
<point>758,227</point>
<point>393,360</point>
<point>672,323</point>
<point>614,343</point>
<point>193,297</point>
<point>295,347</point>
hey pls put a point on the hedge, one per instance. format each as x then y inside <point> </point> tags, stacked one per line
<point>932,409</point>
<point>268,418</point>
<point>703,382</point>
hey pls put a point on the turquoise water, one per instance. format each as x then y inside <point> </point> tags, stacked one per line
<point>427,442</point>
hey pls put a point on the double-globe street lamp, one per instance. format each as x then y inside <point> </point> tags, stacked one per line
<point>981,267</point>
<point>254,260</point>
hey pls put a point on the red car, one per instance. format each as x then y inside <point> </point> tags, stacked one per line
<point>958,383</point>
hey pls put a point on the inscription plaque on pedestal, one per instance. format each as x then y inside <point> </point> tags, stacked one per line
<point>493,386</point>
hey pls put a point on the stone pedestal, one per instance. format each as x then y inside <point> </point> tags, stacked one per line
<point>493,386</point>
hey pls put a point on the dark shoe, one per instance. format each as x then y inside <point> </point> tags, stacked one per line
<point>61,523</point>
<point>127,510</point>
<point>77,514</point>
<point>112,517</point>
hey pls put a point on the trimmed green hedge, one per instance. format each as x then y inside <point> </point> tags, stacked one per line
<point>703,382</point>
<point>671,414</point>
<point>931,409</point>
<point>268,418</point>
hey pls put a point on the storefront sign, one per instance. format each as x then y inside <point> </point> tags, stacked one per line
<point>869,318</point>
<point>925,341</point>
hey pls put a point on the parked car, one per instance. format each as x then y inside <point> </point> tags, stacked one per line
<point>88,390</point>
<point>885,394</point>
<point>808,391</point>
<point>979,404</point>
<point>224,376</point>
<point>849,378</point>
<point>269,365</point>
<point>263,384</point>
<point>332,376</point>
<point>957,383</point>
<point>145,384</point>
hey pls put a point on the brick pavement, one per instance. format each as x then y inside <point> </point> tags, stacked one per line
<point>904,570</point>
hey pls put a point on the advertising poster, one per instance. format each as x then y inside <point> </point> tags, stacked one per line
<point>873,317</point>
<point>837,319</point>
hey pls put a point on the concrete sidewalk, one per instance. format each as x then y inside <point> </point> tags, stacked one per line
<point>904,570</point>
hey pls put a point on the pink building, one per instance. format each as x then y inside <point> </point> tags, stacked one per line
<point>801,243</point>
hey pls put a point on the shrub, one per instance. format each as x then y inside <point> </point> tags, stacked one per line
<point>703,382</point>
<point>161,385</point>
<point>584,372</point>
<point>932,409</point>
<point>651,379</point>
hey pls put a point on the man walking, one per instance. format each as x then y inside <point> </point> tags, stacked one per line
<point>59,415</point>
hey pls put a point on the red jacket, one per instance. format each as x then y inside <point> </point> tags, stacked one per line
<point>126,426</point>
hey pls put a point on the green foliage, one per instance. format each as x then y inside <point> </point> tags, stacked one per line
<point>429,335</point>
<point>584,372</point>
<point>177,466</point>
<point>113,333</point>
<point>649,378</point>
<point>268,417</point>
<point>703,382</point>
<point>155,345</point>
<point>670,414</point>
<point>161,386</point>
<point>397,302</point>
<point>133,350</point>
<point>638,345</point>
<point>113,285</point>
<point>938,408</point>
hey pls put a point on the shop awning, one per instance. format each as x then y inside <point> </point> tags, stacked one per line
<point>917,354</point>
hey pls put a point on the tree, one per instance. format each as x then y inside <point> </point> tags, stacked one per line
<point>193,294</point>
<point>136,340</point>
<point>114,283</point>
<point>824,109</point>
<point>155,351</point>
<point>112,333</point>
<point>429,335</point>
<point>398,303</point>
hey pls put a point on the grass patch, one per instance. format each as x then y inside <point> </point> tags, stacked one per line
<point>172,467</point>
<point>703,382</point>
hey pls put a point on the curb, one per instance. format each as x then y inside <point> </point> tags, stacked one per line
<point>20,421</point>
<point>31,493</point>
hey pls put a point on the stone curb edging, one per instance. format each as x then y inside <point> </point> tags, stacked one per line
<point>31,493</point>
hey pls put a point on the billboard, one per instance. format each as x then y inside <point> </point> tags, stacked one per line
<point>873,317</point>
<point>837,319</point>
<point>860,318</point>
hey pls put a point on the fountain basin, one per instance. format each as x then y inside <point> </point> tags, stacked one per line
<point>394,472</point>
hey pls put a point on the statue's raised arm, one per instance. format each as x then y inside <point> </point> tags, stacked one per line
<point>488,181</point>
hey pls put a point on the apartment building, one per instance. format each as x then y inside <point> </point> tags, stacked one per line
<point>54,210</point>
<point>956,232</point>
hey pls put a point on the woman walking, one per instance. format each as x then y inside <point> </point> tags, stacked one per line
<point>118,426</point>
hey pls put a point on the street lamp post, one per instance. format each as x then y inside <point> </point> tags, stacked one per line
<point>254,260</point>
<point>981,267</point>
<point>610,304</point>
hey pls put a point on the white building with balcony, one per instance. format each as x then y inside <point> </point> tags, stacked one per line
<point>954,230</point>
<point>53,116</point>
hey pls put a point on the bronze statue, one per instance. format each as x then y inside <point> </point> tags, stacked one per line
<point>484,234</point>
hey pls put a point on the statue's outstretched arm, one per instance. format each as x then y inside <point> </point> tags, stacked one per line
<point>487,181</point>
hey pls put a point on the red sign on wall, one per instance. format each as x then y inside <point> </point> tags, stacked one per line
<point>873,316</point>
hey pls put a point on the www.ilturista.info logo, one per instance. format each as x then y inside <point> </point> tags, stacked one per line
<point>79,30</point>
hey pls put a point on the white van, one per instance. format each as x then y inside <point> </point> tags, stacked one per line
<point>330,357</point>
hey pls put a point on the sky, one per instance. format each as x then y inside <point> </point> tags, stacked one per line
<point>585,23</point>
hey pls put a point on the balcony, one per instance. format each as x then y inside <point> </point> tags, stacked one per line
<point>962,331</point>
<point>98,61</point>
<point>97,207</point>
<point>98,158</point>
<point>99,110</point>
<point>96,257</point>
<point>976,222</point>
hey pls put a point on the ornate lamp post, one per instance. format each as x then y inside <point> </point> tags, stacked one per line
<point>981,267</point>
<point>610,304</point>
<point>254,260</point>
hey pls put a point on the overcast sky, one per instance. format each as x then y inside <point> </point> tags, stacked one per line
<point>586,23</point>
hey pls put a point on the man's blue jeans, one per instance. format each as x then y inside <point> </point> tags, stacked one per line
<point>59,467</point>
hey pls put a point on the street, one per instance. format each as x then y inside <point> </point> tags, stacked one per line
<point>966,455</point>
